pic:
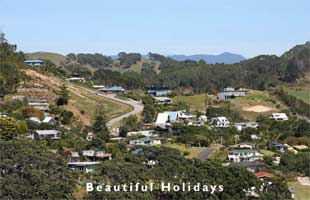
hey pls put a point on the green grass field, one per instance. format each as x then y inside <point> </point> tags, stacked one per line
<point>266,152</point>
<point>87,101</point>
<point>300,93</point>
<point>193,151</point>
<point>302,191</point>
<point>196,102</point>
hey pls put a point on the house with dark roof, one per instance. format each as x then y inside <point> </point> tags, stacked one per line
<point>279,147</point>
<point>114,89</point>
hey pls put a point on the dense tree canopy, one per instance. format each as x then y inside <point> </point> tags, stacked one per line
<point>30,171</point>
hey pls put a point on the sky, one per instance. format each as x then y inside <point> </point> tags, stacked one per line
<point>247,27</point>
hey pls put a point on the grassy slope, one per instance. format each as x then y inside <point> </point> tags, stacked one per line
<point>54,57</point>
<point>301,89</point>
<point>80,99</point>
<point>88,102</point>
<point>302,191</point>
<point>136,67</point>
<point>193,151</point>
<point>197,102</point>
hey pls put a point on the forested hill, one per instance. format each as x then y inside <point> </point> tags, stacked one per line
<point>132,70</point>
<point>226,58</point>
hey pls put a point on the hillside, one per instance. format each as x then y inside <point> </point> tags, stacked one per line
<point>226,57</point>
<point>55,58</point>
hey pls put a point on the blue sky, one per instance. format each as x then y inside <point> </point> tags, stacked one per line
<point>248,27</point>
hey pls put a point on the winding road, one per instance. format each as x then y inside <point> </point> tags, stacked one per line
<point>137,106</point>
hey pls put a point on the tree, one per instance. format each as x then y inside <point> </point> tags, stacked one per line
<point>9,128</point>
<point>149,113</point>
<point>64,95</point>
<point>30,171</point>
<point>100,120</point>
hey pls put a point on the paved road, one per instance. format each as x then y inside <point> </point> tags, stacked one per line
<point>205,154</point>
<point>137,106</point>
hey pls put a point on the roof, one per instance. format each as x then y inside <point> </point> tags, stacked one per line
<point>34,61</point>
<point>146,139</point>
<point>47,132</point>
<point>162,98</point>
<point>35,119</point>
<point>279,114</point>
<point>173,115</point>
<point>162,118</point>
<point>263,175</point>
<point>114,88</point>
<point>137,151</point>
<point>243,150</point>
<point>83,164</point>
<point>157,88</point>
<point>248,164</point>
<point>75,154</point>
<point>300,147</point>
<point>47,119</point>
<point>277,144</point>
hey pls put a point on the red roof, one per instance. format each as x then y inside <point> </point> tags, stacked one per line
<point>263,175</point>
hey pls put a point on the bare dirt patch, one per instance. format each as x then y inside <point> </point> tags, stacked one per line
<point>257,108</point>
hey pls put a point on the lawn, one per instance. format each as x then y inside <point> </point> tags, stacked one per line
<point>196,102</point>
<point>266,152</point>
<point>300,93</point>
<point>302,191</point>
<point>193,151</point>
<point>88,102</point>
<point>254,98</point>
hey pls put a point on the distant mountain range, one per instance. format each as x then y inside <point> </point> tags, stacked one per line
<point>226,57</point>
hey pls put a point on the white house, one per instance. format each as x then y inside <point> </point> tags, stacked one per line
<point>36,62</point>
<point>279,117</point>
<point>220,122</point>
<point>239,155</point>
<point>162,120</point>
<point>230,93</point>
<point>242,125</point>
<point>146,133</point>
<point>203,118</point>
<point>147,141</point>
<point>47,134</point>
<point>49,120</point>
<point>84,166</point>
<point>185,115</point>
<point>35,119</point>
<point>81,79</point>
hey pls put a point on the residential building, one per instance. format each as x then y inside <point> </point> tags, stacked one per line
<point>255,137</point>
<point>163,120</point>
<point>230,93</point>
<point>220,122</point>
<point>239,155</point>
<point>195,123</point>
<point>279,116</point>
<point>247,145</point>
<point>80,79</point>
<point>35,120</point>
<point>39,104</point>
<point>158,91</point>
<point>300,147</point>
<point>98,87</point>
<point>47,134</point>
<point>203,118</point>
<point>185,115</point>
<point>84,166</point>
<point>146,133</point>
<point>114,89</point>
<point>73,157</point>
<point>279,147</point>
<point>251,166</point>
<point>95,155</point>
<point>243,125</point>
<point>36,63</point>
<point>49,120</point>
<point>263,175</point>
<point>148,141</point>
<point>162,100</point>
